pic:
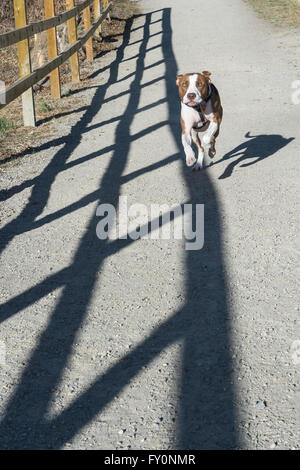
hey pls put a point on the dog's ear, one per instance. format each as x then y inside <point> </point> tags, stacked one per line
<point>178,79</point>
<point>207,75</point>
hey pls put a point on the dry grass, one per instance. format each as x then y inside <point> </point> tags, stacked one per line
<point>282,13</point>
<point>14,137</point>
<point>124,9</point>
<point>35,11</point>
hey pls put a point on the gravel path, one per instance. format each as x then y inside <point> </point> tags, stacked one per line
<point>124,344</point>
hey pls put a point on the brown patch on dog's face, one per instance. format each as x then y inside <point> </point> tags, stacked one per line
<point>203,84</point>
<point>193,87</point>
<point>183,82</point>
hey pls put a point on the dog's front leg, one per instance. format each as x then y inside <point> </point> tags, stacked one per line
<point>186,139</point>
<point>200,158</point>
<point>211,130</point>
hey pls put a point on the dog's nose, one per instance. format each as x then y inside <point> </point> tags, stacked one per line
<point>191,96</point>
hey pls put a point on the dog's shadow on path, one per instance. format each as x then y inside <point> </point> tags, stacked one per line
<point>256,148</point>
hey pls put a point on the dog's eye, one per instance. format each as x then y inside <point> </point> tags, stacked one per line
<point>185,84</point>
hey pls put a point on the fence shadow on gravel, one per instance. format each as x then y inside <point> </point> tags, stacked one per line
<point>207,414</point>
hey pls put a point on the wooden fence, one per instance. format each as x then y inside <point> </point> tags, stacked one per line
<point>24,31</point>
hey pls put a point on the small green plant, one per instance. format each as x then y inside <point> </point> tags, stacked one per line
<point>44,107</point>
<point>5,125</point>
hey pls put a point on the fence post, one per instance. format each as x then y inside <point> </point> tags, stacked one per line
<point>24,64</point>
<point>97,13</point>
<point>52,50</point>
<point>72,32</point>
<point>105,5</point>
<point>87,25</point>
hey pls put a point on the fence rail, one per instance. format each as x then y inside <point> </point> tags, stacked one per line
<point>21,36</point>
<point>17,35</point>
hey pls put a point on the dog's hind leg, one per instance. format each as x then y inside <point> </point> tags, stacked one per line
<point>212,148</point>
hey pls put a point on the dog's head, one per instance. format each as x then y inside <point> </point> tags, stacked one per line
<point>193,87</point>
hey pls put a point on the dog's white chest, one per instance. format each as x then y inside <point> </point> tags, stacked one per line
<point>193,119</point>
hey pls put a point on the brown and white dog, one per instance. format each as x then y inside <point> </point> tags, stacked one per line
<point>201,112</point>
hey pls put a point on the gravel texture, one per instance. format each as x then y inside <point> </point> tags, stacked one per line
<point>123,344</point>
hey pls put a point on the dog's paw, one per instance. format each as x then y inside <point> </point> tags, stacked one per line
<point>211,153</point>
<point>190,160</point>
